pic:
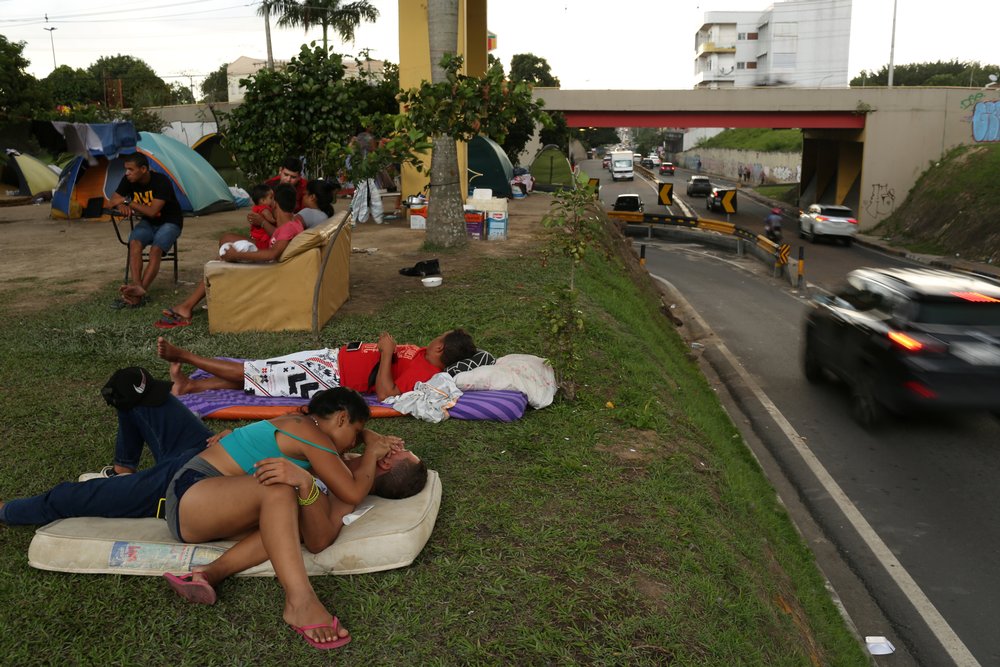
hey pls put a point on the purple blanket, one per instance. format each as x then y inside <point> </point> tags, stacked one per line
<point>505,406</point>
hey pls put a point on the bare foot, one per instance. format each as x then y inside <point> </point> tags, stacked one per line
<point>314,613</point>
<point>135,291</point>
<point>180,380</point>
<point>166,351</point>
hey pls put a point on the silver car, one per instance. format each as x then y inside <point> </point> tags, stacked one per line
<point>828,220</point>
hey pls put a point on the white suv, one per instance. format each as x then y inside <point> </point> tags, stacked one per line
<point>828,220</point>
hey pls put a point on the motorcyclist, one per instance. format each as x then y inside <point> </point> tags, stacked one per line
<point>772,225</point>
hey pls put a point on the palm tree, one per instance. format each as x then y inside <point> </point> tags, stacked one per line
<point>342,17</point>
<point>445,217</point>
<point>268,7</point>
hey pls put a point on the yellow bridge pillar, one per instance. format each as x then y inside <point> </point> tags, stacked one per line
<point>415,66</point>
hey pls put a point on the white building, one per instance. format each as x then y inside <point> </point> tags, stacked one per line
<point>802,43</point>
<point>243,67</point>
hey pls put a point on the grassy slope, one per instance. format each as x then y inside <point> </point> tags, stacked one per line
<point>953,208</point>
<point>631,526</point>
<point>756,139</point>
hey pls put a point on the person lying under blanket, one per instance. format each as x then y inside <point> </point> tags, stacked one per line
<point>358,366</point>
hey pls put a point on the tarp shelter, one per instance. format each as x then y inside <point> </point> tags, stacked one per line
<point>31,176</point>
<point>489,166</point>
<point>87,183</point>
<point>551,170</point>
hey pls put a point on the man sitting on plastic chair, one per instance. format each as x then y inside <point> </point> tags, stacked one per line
<point>150,195</point>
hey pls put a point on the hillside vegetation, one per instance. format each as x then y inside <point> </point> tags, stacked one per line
<point>953,208</point>
<point>756,139</point>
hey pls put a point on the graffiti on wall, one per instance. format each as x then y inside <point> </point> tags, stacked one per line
<point>986,121</point>
<point>881,202</point>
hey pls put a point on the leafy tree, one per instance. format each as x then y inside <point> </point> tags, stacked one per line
<point>344,17</point>
<point>180,94</point>
<point>599,136</point>
<point>532,69</point>
<point>301,110</point>
<point>215,87</point>
<point>20,93</point>
<point>939,73</point>
<point>72,87</point>
<point>141,87</point>
<point>457,109</point>
<point>557,133</point>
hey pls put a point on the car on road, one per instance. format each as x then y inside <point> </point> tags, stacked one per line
<point>655,159</point>
<point>713,200</point>
<point>646,162</point>
<point>606,161</point>
<point>667,168</point>
<point>699,185</point>
<point>827,220</point>
<point>628,202</point>
<point>908,340</point>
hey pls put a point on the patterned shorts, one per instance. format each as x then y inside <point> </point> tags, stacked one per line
<point>300,374</point>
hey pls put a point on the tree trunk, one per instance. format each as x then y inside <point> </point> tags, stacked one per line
<point>445,218</point>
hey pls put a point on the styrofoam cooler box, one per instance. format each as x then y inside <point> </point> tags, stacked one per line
<point>496,226</point>
<point>482,193</point>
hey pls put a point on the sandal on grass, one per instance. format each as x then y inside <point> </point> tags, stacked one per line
<point>172,322</point>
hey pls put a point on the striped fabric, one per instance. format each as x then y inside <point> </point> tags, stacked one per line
<point>491,405</point>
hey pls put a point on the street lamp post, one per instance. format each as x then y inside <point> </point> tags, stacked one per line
<point>892,44</point>
<point>53,41</point>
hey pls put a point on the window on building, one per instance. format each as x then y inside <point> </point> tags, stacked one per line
<point>786,29</point>
<point>741,65</point>
<point>741,36</point>
<point>751,35</point>
<point>751,65</point>
<point>783,61</point>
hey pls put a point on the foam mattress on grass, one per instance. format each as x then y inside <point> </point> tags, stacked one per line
<point>388,536</point>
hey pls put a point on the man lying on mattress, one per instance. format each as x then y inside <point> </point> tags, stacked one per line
<point>358,366</point>
<point>148,413</point>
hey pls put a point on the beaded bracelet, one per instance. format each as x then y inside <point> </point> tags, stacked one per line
<point>313,496</point>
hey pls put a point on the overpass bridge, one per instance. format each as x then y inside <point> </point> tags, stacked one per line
<point>862,147</point>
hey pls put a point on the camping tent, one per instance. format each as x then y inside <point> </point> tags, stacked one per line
<point>86,184</point>
<point>489,166</point>
<point>551,170</point>
<point>32,176</point>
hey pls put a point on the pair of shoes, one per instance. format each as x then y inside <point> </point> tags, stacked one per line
<point>199,592</point>
<point>427,267</point>
<point>172,321</point>
<point>336,643</point>
<point>105,473</point>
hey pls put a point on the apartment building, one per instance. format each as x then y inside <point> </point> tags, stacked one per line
<point>803,43</point>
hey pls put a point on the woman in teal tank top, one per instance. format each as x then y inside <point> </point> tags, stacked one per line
<point>260,477</point>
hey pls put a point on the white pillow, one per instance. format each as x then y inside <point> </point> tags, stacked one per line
<point>526,373</point>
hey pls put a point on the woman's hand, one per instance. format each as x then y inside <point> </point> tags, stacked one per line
<point>230,255</point>
<point>277,470</point>
<point>214,440</point>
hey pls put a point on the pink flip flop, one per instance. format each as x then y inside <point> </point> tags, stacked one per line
<point>336,643</point>
<point>199,592</point>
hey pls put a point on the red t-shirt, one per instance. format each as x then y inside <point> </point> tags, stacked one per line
<point>288,231</point>
<point>409,366</point>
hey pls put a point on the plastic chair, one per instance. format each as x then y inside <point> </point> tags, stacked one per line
<point>116,219</point>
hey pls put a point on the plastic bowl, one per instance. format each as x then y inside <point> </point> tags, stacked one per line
<point>431,281</point>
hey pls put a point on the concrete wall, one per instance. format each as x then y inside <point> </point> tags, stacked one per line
<point>764,167</point>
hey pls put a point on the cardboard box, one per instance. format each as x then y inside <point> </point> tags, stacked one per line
<point>475,224</point>
<point>418,217</point>
<point>496,226</point>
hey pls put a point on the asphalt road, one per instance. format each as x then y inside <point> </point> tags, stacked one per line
<point>916,520</point>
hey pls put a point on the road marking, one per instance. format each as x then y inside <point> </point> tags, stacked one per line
<point>952,644</point>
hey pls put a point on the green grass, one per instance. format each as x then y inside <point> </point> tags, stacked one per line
<point>630,526</point>
<point>756,139</point>
<point>782,193</point>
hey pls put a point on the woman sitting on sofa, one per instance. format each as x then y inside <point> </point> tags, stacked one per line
<point>317,202</point>
<point>236,248</point>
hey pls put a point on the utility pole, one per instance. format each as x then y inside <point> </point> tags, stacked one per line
<point>53,41</point>
<point>892,44</point>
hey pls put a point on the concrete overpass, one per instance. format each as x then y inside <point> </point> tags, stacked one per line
<point>862,147</point>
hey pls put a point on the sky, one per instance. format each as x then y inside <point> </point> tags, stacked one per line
<point>187,39</point>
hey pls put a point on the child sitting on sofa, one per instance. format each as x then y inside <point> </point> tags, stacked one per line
<point>236,248</point>
<point>261,216</point>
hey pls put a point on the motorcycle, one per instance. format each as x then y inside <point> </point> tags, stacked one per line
<point>773,233</point>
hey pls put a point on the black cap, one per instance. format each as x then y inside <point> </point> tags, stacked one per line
<point>129,387</point>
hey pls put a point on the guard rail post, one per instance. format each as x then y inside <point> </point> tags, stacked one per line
<point>800,283</point>
<point>642,254</point>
